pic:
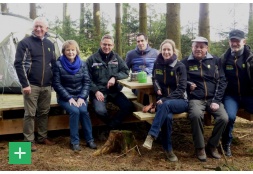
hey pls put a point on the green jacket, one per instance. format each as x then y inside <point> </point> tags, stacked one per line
<point>101,72</point>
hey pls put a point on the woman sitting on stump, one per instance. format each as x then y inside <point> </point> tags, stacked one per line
<point>169,80</point>
<point>71,81</point>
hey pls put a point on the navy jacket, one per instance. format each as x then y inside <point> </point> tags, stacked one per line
<point>69,86</point>
<point>209,77</point>
<point>34,60</point>
<point>239,72</point>
<point>171,79</point>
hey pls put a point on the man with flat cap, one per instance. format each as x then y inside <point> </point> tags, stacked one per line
<point>238,68</point>
<point>206,86</point>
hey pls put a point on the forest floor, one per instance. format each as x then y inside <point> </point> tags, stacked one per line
<point>60,157</point>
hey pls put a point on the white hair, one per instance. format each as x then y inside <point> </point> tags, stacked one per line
<point>41,19</point>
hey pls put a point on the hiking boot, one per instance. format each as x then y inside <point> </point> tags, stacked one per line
<point>75,147</point>
<point>227,150</point>
<point>171,156</point>
<point>213,151</point>
<point>148,142</point>
<point>201,154</point>
<point>92,145</point>
<point>46,141</point>
<point>33,147</point>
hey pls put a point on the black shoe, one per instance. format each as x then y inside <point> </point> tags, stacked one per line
<point>75,147</point>
<point>227,150</point>
<point>92,145</point>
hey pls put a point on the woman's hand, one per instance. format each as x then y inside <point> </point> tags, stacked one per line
<point>80,102</point>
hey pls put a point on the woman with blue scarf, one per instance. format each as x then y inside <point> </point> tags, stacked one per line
<point>71,81</point>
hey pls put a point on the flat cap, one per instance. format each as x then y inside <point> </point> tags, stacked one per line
<point>200,39</point>
<point>236,34</point>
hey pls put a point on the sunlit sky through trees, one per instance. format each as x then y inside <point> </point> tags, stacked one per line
<point>223,16</point>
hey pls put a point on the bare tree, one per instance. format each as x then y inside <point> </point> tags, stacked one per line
<point>250,30</point>
<point>33,13</point>
<point>173,30</point>
<point>143,18</point>
<point>118,47</point>
<point>66,15</point>
<point>96,17</point>
<point>4,8</point>
<point>81,31</point>
<point>204,22</point>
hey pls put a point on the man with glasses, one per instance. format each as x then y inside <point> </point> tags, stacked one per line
<point>206,86</point>
<point>105,68</point>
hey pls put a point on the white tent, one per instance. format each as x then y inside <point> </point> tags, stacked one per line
<point>13,29</point>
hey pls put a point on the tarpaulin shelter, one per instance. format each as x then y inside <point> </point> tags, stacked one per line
<point>13,29</point>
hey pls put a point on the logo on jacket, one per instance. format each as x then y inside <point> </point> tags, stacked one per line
<point>193,68</point>
<point>96,65</point>
<point>229,67</point>
<point>171,73</point>
<point>48,49</point>
<point>243,65</point>
<point>208,66</point>
<point>159,72</point>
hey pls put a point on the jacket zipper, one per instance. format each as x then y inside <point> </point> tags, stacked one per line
<point>201,74</point>
<point>43,66</point>
<point>238,80</point>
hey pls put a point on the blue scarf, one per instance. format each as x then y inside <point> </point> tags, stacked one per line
<point>71,68</point>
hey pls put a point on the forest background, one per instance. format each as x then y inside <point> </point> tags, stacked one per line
<point>159,21</point>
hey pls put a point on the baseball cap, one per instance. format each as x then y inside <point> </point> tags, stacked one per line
<point>236,34</point>
<point>200,39</point>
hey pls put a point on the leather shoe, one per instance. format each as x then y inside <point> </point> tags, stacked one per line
<point>213,151</point>
<point>33,147</point>
<point>46,141</point>
<point>201,154</point>
<point>92,145</point>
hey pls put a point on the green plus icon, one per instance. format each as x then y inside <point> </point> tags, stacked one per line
<point>19,152</point>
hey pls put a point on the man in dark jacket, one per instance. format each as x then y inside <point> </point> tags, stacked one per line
<point>238,67</point>
<point>34,59</point>
<point>207,83</point>
<point>105,68</point>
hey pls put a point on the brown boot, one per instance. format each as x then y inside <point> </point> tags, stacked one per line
<point>46,141</point>
<point>211,150</point>
<point>33,147</point>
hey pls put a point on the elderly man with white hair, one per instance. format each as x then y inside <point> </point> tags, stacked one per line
<point>34,59</point>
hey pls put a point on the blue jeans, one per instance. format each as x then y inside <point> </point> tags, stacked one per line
<point>163,120</point>
<point>75,115</point>
<point>120,100</point>
<point>232,104</point>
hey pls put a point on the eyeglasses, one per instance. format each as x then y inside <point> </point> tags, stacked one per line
<point>109,45</point>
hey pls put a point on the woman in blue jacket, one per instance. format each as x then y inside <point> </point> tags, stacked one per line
<point>169,80</point>
<point>71,81</point>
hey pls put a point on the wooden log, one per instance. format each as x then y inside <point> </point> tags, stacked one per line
<point>118,141</point>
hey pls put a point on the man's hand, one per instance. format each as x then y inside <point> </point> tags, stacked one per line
<point>159,92</point>
<point>100,96</point>
<point>193,86</point>
<point>27,90</point>
<point>159,102</point>
<point>214,107</point>
<point>72,101</point>
<point>111,82</point>
<point>80,102</point>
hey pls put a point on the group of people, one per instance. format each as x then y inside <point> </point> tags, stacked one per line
<point>200,82</point>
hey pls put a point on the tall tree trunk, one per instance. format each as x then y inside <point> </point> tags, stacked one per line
<point>204,22</point>
<point>173,30</point>
<point>33,13</point>
<point>118,29</point>
<point>4,8</point>
<point>250,30</point>
<point>96,17</point>
<point>81,30</point>
<point>66,21</point>
<point>143,18</point>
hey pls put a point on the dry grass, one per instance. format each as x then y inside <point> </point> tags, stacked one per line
<point>60,158</point>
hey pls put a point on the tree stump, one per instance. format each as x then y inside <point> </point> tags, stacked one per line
<point>120,141</point>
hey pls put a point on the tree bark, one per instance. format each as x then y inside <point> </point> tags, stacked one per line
<point>143,18</point>
<point>204,22</point>
<point>118,47</point>
<point>33,13</point>
<point>4,8</point>
<point>96,17</point>
<point>250,30</point>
